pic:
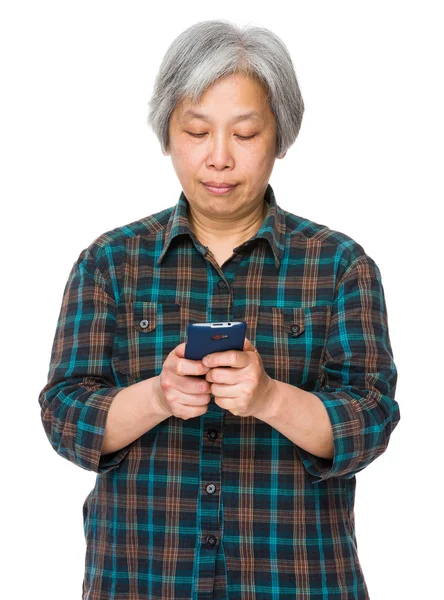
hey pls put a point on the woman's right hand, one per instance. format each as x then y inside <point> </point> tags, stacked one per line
<point>178,391</point>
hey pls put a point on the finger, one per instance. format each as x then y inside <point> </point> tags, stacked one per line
<point>225,375</point>
<point>189,384</point>
<point>187,366</point>
<point>180,350</point>
<point>189,387</point>
<point>225,403</point>
<point>237,359</point>
<point>248,346</point>
<point>194,399</point>
<point>228,358</point>
<point>226,391</point>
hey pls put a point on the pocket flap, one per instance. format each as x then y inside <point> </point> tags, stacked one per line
<point>146,333</point>
<point>291,341</point>
<point>274,317</point>
<point>294,321</point>
<point>144,314</point>
<point>140,315</point>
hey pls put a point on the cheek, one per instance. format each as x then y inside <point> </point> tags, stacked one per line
<point>185,154</point>
<point>185,162</point>
<point>186,150</point>
<point>258,159</point>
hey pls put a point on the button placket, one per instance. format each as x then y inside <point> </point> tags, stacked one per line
<point>211,540</point>
<point>212,434</point>
<point>210,488</point>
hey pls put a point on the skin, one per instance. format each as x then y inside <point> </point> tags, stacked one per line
<point>221,155</point>
<point>222,223</point>
<point>237,379</point>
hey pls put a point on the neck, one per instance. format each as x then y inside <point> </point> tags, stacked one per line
<point>230,232</point>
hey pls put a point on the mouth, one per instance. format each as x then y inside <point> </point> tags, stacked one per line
<point>219,188</point>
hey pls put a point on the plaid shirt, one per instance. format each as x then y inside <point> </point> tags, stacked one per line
<point>222,506</point>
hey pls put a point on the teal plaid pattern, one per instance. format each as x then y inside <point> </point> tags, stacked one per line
<point>221,506</point>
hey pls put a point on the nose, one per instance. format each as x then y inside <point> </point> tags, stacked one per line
<point>220,152</point>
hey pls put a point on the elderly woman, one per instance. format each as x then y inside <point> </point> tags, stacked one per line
<point>232,476</point>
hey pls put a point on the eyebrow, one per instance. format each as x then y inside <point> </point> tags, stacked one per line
<point>193,114</point>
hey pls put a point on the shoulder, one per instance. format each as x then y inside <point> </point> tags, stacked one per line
<point>115,240</point>
<point>331,244</point>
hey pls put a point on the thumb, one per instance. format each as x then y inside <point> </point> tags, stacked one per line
<point>180,350</point>
<point>248,346</point>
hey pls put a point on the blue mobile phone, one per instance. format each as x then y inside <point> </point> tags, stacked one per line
<point>205,338</point>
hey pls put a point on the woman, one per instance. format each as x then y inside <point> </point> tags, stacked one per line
<point>233,476</point>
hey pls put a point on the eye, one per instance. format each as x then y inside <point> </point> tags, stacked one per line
<point>241,137</point>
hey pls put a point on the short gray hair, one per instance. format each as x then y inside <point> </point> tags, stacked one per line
<point>210,50</point>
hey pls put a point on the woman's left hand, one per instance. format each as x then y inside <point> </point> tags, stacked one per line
<point>245,389</point>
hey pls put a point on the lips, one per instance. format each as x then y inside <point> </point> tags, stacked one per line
<point>218,188</point>
<point>220,184</point>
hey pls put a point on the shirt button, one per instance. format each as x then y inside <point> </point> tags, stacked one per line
<point>211,488</point>
<point>212,540</point>
<point>221,284</point>
<point>212,434</point>
<point>294,329</point>
<point>144,323</point>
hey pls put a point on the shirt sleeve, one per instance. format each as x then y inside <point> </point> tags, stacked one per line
<point>81,387</point>
<point>358,379</point>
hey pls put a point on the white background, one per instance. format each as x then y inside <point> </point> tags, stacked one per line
<point>78,159</point>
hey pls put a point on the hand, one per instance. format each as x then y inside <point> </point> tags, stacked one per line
<point>179,392</point>
<point>245,389</point>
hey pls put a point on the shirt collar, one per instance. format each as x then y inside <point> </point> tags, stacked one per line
<point>272,229</point>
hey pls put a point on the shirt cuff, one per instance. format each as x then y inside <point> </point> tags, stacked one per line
<point>91,431</point>
<point>347,440</point>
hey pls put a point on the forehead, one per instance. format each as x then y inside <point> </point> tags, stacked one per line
<point>235,97</point>
<point>191,113</point>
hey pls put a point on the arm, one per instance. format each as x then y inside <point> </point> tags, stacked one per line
<point>80,390</point>
<point>357,385</point>
<point>301,417</point>
<point>134,411</point>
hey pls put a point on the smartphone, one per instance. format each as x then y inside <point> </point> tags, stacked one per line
<point>205,338</point>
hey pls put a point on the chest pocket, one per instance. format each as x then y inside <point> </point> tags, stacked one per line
<point>146,332</point>
<point>291,342</point>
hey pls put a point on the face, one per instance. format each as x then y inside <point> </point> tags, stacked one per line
<point>215,141</point>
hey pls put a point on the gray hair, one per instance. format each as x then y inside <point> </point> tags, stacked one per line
<point>210,50</point>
